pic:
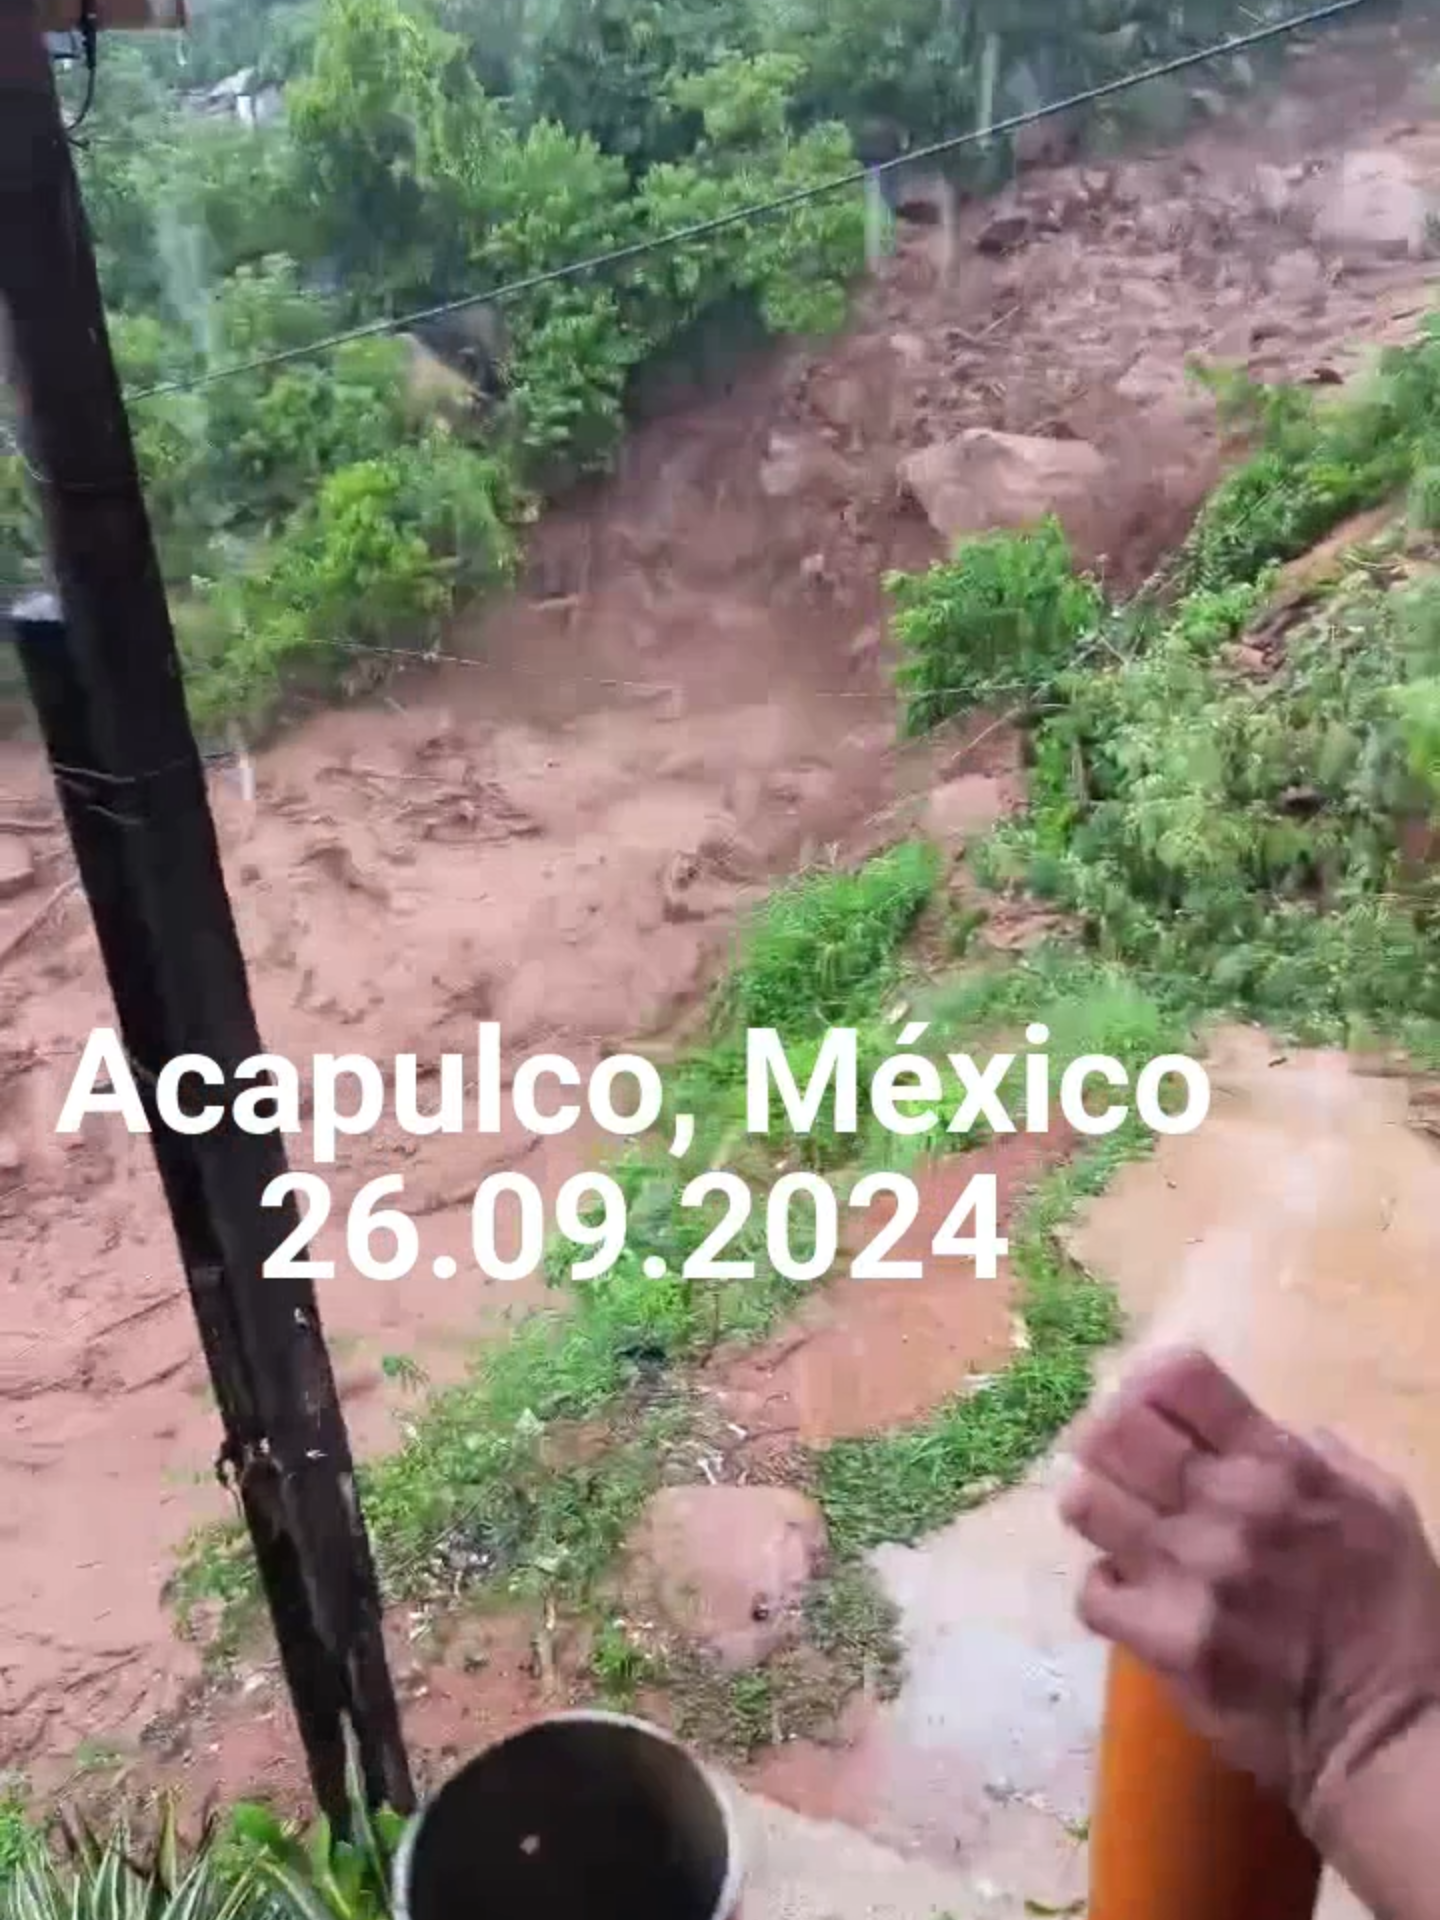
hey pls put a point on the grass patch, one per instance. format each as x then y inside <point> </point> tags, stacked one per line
<point>248,1865</point>
<point>851,1640</point>
<point>901,1485</point>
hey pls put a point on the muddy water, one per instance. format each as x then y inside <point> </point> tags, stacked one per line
<point>1297,1235</point>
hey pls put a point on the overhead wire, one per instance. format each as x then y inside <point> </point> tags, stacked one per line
<point>738,216</point>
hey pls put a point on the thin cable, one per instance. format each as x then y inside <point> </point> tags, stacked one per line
<point>702,229</point>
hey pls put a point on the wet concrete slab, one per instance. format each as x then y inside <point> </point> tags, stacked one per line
<point>1297,1236</point>
<point>799,1868</point>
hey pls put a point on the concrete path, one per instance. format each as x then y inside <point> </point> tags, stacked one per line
<point>1297,1235</point>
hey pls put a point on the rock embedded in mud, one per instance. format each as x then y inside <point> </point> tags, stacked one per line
<point>1003,234</point>
<point>1372,203</point>
<point>17,868</point>
<point>1297,277</point>
<point>960,809</point>
<point>982,480</point>
<point>727,1567</point>
<point>1272,191</point>
<point>792,467</point>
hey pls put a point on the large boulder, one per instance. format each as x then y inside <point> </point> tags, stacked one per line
<point>982,481</point>
<point>727,1567</point>
<point>1371,203</point>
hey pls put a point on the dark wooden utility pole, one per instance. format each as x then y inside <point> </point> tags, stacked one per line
<point>103,669</point>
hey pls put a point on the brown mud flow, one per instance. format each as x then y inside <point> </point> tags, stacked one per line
<point>687,698</point>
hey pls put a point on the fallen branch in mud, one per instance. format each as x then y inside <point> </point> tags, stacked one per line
<point>37,919</point>
<point>8,825</point>
<point>977,339</point>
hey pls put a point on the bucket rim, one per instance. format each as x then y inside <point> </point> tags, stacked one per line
<point>728,1898</point>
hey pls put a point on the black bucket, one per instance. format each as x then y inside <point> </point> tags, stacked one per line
<point>585,1816</point>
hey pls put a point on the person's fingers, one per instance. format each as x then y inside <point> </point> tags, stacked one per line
<point>1250,1490</point>
<point>1117,1522</point>
<point>1189,1390</point>
<point>1212,1547</point>
<point>1141,1452</point>
<point>1166,1619</point>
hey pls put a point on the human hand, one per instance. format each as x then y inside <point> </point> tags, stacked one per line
<point>1284,1589</point>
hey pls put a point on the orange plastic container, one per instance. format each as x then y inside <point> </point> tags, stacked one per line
<point>1177,1836</point>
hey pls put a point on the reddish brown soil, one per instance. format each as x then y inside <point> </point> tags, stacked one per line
<point>868,1354</point>
<point>686,698</point>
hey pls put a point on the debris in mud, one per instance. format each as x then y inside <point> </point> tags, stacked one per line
<point>1003,234</point>
<point>727,1567</point>
<point>480,809</point>
<point>335,860</point>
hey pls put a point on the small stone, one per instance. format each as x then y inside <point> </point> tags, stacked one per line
<point>11,1158</point>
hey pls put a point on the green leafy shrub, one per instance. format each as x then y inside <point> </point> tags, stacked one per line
<point>1240,837</point>
<point>114,1878</point>
<point>1003,615</point>
<point>1316,461</point>
<point>247,1864</point>
<point>1423,506</point>
<point>366,572</point>
<point>16,1831</point>
<point>303,1876</point>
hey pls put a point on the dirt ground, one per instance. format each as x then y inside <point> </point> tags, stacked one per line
<point>557,828</point>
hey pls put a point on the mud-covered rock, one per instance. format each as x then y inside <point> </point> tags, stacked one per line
<point>1003,234</point>
<point>793,466</point>
<point>1271,191</point>
<point>1371,203</point>
<point>727,1567</point>
<point>1297,276</point>
<point>17,868</point>
<point>960,810</point>
<point>983,480</point>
